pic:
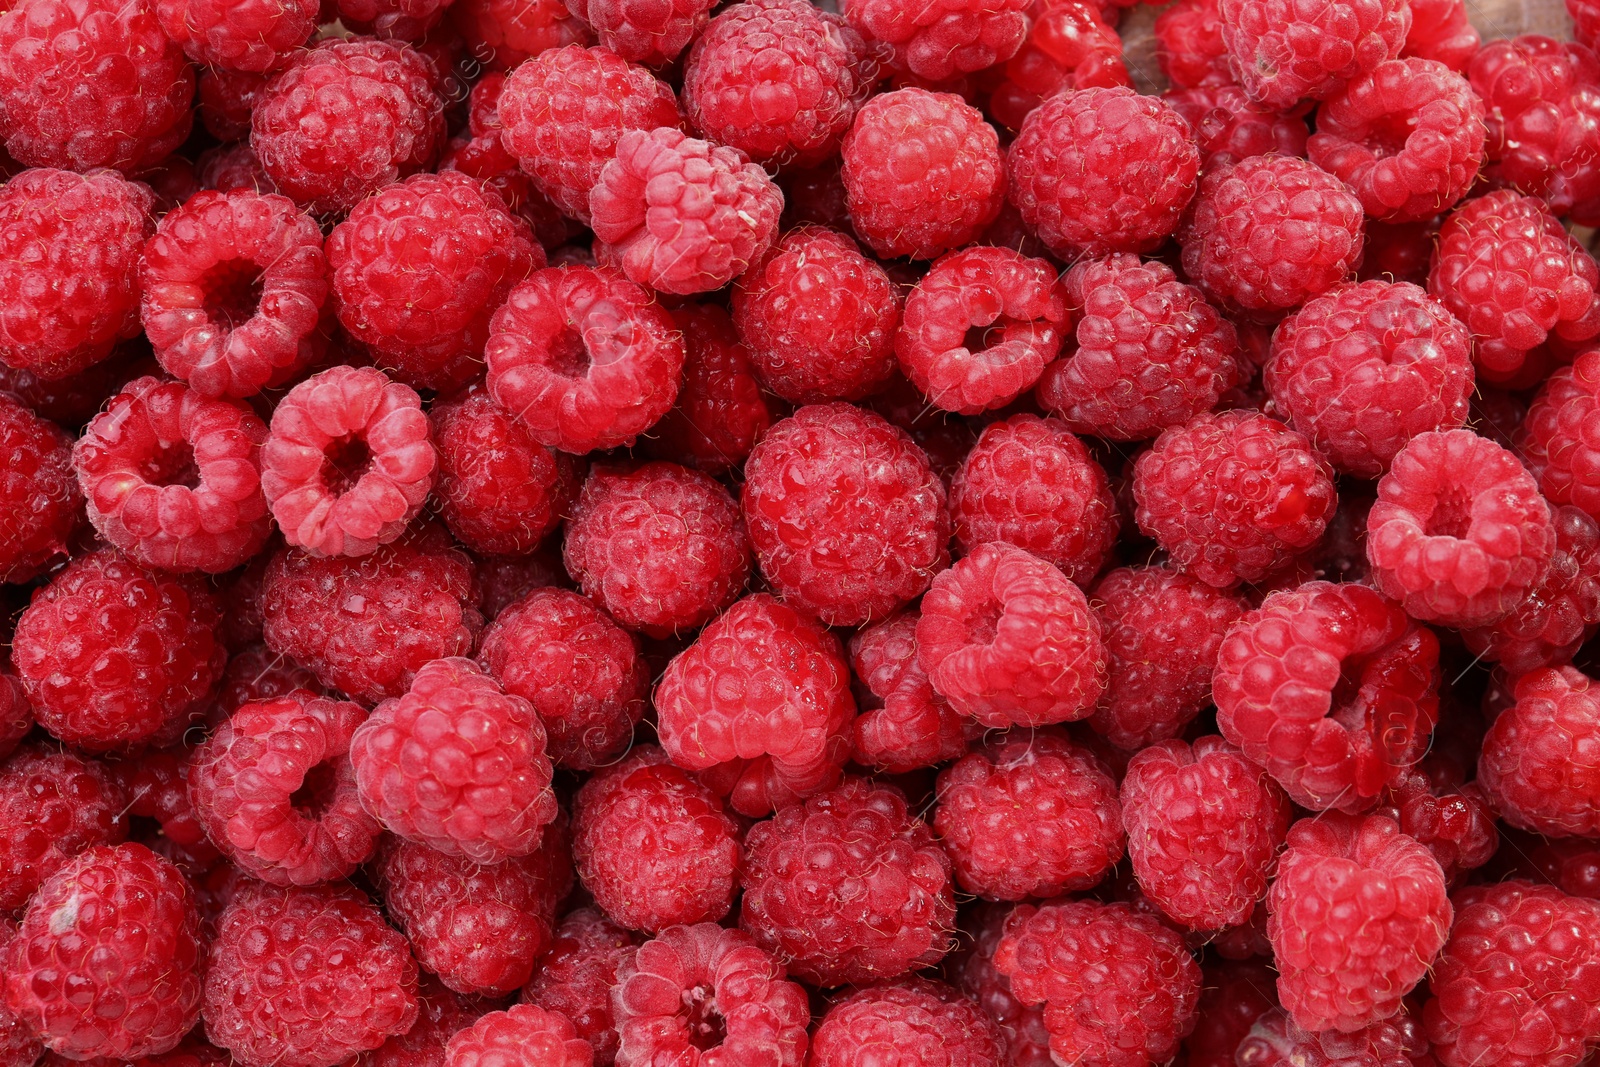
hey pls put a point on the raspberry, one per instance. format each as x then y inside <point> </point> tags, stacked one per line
<point>504,33</point>
<point>158,790</point>
<point>980,327</point>
<point>928,1022</point>
<point>818,318</point>
<point>1506,268</point>
<point>653,846</point>
<point>392,20</point>
<point>1269,233</point>
<point>1102,170</point>
<point>922,172</point>
<point>1555,439</point>
<point>660,547</point>
<point>702,994</point>
<point>644,32</point>
<point>107,959</point>
<point>1283,52</point>
<point>250,37</point>
<point>1356,914</point>
<point>903,723</point>
<point>846,516</point>
<point>345,119</point>
<point>1118,987</point>
<point>53,806</point>
<point>73,401</point>
<point>779,80</point>
<point>1440,31</point>
<point>1530,765</point>
<point>503,580</point>
<point>349,462</point>
<point>39,497</point>
<point>1229,126</point>
<point>1030,816</point>
<point>1561,612</point>
<point>306,977</point>
<point>19,1045</point>
<point>1460,534</point>
<point>520,1036</point>
<point>1027,1040</point>
<point>1275,1041</point>
<point>584,358</point>
<point>16,718</point>
<point>848,887</point>
<point>481,929</point>
<point>440,1014</point>
<point>113,655</point>
<point>419,267</point>
<point>136,461</point>
<point>1189,47</point>
<point>940,40</point>
<point>577,974</point>
<point>366,626</point>
<point>580,671</point>
<point>69,255</point>
<point>1235,995</point>
<point>233,168</point>
<point>1069,46</point>
<point>226,101</point>
<point>499,491</point>
<point>760,705</point>
<point>256,675</point>
<point>456,764</point>
<point>478,153</point>
<point>720,412</point>
<point>1455,824</point>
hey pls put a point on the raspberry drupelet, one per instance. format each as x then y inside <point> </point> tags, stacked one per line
<point>39,496</point>
<point>19,1045</point>
<point>391,20</point>
<point>577,974</point>
<point>1229,126</point>
<point>521,1036</point>
<point>253,36</point>
<point>1561,612</point>
<point>1558,439</point>
<point>135,463</point>
<point>980,327</point>
<point>942,40</point>
<point>1459,535</point>
<point>441,1014</point>
<point>420,266</point>
<point>1532,765</point>
<point>641,31</point>
<point>1102,170</point>
<point>1069,46</point>
<point>928,1021</point>
<point>504,33</point>
<point>53,806</point>
<point>974,972</point>
<point>1274,1040</point>
<point>1189,45</point>
<point>904,724</point>
<point>478,153</point>
<point>759,706</point>
<point>583,358</point>
<point>922,173</point>
<point>1454,822</point>
<point>1283,53</point>
<point>158,790</point>
<point>720,411</point>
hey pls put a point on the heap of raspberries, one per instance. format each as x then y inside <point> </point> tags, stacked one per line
<point>798,533</point>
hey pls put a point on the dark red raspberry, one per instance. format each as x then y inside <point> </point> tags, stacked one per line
<point>251,36</point>
<point>227,99</point>
<point>643,31</point>
<point>53,805</point>
<point>580,671</point>
<point>1506,268</point>
<point>848,887</point>
<point>157,785</point>
<point>577,974</point>
<point>584,358</point>
<point>113,655</point>
<point>322,957</point>
<point>818,317</point>
<point>1555,438</point>
<point>760,705</point>
<point>1269,233</point>
<point>720,412</point>
<point>1027,1040</point>
<point>1102,170</point>
<point>699,994</point>
<point>74,400</point>
<point>1460,534</point>
<point>391,20</point>
<point>1069,46</point>
<point>1356,915</point>
<point>366,626</point>
<point>1561,612</point>
<point>942,40</point>
<point>503,33</point>
<point>346,118</point>
<point>1531,766</point>
<point>1234,996</point>
<point>440,1014</point>
<point>1229,126</point>
<point>480,928</point>
<point>69,255</point>
<point>521,1036</point>
<point>1455,823</point>
<point>233,168</point>
<point>1029,816</point>
<point>19,1045</point>
<point>1283,52</point>
<point>903,723</point>
<point>1276,1041</point>
<point>349,462</point>
<point>1118,987</point>
<point>255,675</point>
<point>504,580</point>
<point>847,517</point>
<point>107,961</point>
<point>927,1021</point>
<point>16,715</point>
<point>922,173</point>
<point>980,327</point>
<point>479,153</point>
<point>39,496</point>
<point>1331,689</point>
<point>1189,45</point>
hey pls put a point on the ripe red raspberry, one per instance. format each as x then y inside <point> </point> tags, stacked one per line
<point>660,547</point>
<point>1440,31</point>
<point>16,715</point>
<point>391,20</point>
<point>1189,45</point>
<point>503,580</point>
<point>642,31</point>
<point>1283,53</point>
<point>173,479</point>
<point>349,462</point>
<point>846,515</point>
<point>504,33</point>
<point>932,1024</point>
<point>1204,826</point>
<point>1331,689</point>
<point>922,173</point>
<point>760,705</point>
<point>53,805</point>
<point>577,974</point>
<point>322,957</point>
<point>584,358</point>
<point>113,655</point>
<point>980,327</point>
<point>1459,535</point>
<point>1269,233</point>
<point>232,168</point>
<point>1233,496</point>
<point>251,36</point>
<point>479,153</point>
<point>1229,126</point>
<point>1455,822</point>
<point>226,100</point>
<point>1069,46</point>
<point>818,318</point>
<point>69,255</point>
<point>256,674</point>
<point>720,412</point>
<point>940,40</point>
<point>1406,136</point>
<point>346,118</point>
<point>1356,914</point>
<point>1027,1040</point>
<point>903,723</point>
<point>366,626</point>
<point>1029,816</point>
<point>1561,612</point>
<point>580,671</point>
<point>107,959</point>
<point>780,80</point>
<point>1102,170</point>
<point>1531,766</point>
<point>1234,996</point>
<point>440,1014</point>
<point>1118,987</point>
<point>157,785</point>
<point>1506,268</point>
<point>702,994</point>
<point>39,497</point>
<point>848,887</point>
<point>1276,1041</point>
<point>1555,438</point>
<point>19,1045</point>
<point>521,1036</point>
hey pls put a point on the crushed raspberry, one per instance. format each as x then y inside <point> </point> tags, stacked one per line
<point>503,33</point>
<point>39,496</point>
<point>1530,765</point>
<point>1229,126</point>
<point>576,976</point>
<point>1283,52</point>
<point>720,412</point>
<point>253,36</point>
<point>940,41</point>
<point>1555,438</point>
<point>521,1036</point>
<point>643,31</point>
<point>922,173</point>
<point>1456,823</point>
<point>53,806</point>
<point>1069,46</point>
<point>927,1021</point>
<point>903,723</point>
<point>1562,611</point>
<point>1189,45</point>
<point>1440,31</point>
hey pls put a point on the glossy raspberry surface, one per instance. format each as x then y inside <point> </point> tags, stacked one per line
<point>39,491</point>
